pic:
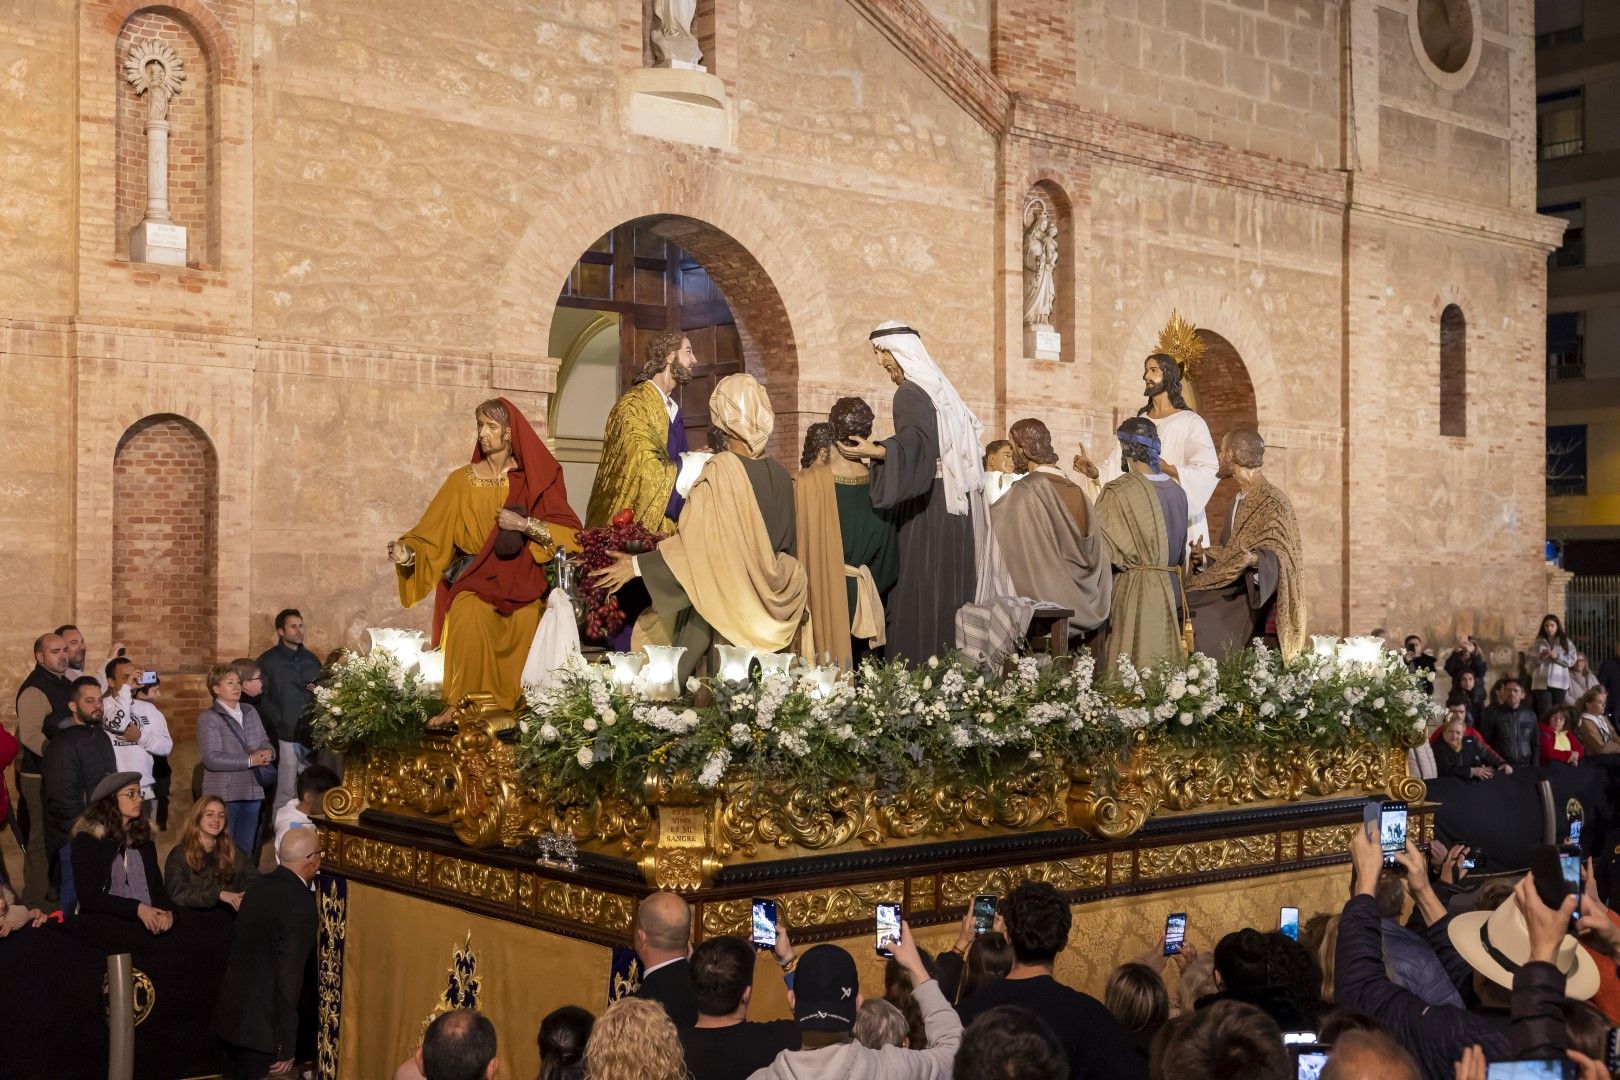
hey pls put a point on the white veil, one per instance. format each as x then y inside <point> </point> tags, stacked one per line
<point>961,465</point>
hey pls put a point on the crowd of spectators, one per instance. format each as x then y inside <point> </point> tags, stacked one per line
<point>87,799</point>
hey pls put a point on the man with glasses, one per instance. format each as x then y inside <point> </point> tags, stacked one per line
<point>257,1014</point>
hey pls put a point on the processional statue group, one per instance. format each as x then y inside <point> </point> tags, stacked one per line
<point>906,547</point>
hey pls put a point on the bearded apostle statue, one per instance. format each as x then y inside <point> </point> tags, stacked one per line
<point>729,573</point>
<point>1143,516</point>
<point>1252,586</point>
<point>480,551</point>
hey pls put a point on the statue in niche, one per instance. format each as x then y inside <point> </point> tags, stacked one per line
<point>156,73</point>
<point>1040,264</point>
<point>673,43</point>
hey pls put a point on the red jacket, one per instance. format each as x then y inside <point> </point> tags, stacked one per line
<point>9,746</point>
<point>1549,753</point>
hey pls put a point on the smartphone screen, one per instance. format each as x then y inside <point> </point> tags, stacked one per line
<point>1575,831</point>
<point>1288,922</point>
<point>1474,859</point>
<point>888,928</point>
<point>1570,866</point>
<point>148,678</point>
<point>1309,1061</point>
<point>984,913</point>
<point>1298,1038</point>
<point>764,936</point>
<point>1391,830</point>
<point>1547,1069</point>
<point>1175,932</point>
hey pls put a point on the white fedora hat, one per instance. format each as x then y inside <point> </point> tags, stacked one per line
<point>1497,944</point>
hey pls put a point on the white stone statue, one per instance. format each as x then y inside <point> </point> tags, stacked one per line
<point>1040,265</point>
<point>156,73</point>
<point>673,43</point>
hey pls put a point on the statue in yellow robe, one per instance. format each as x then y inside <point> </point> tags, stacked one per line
<point>480,551</point>
<point>644,440</point>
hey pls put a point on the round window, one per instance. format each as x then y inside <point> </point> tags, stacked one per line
<point>1446,29</point>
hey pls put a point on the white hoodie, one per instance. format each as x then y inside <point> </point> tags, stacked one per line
<point>852,1061</point>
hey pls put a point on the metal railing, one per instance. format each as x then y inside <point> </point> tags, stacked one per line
<point>1592,614</point>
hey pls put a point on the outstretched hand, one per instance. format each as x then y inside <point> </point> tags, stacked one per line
<point>616,575</point>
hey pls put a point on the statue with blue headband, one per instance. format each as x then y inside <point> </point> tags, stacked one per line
<point>1143,517</point>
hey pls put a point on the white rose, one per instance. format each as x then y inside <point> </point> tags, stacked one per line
<point>1185,718</point>
<point>1268,708</point>
<point>933,662</point>
<point>928,680</point>
<point>589,725</point>
<point>1178,690</point>
<point>1378,703</point>
<point>548,732</point>
<point>585,757</point>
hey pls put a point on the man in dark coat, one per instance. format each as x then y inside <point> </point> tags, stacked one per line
<point>663,940</point>
<point>77,758</point>
<point>290,673</point>
<point>257,1015</point>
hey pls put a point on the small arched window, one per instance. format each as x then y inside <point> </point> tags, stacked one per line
<point>1453,371</point>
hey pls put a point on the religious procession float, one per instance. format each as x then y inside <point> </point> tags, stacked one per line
<point>897,677</point>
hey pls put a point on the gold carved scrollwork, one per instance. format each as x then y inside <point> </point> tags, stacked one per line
<point>575,903</point>
<point>754,814</point>
<point>822,907</point>
<point>922,894</point>
<point>1326,840</point>
<point>474,879</point>
<point>380,858</point>
<point>1177,860</point>
<point>1158,778</point>
<point>1066,876</point>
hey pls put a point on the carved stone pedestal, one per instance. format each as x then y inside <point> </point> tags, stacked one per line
<point>680,104</point>
<point>1043,343</point>
<point>158,242</point>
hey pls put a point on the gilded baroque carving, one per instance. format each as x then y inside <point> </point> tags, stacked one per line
<point>1066,876</point>
<point>1159,778</point>
<point>922,894</point>
<point>1177,860</point>
<point>575,903</point>
<point>474,879</point>
<point>1326,840</point>
<point>821,907</point>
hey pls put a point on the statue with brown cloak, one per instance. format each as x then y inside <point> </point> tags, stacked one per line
<point>1252,585</point>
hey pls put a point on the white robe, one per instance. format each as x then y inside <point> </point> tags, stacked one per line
<point>1184,442</point>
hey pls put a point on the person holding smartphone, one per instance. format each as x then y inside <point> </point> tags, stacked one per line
<point>724,1044</point>
<point>1038,920</point>
<point>825,999</point>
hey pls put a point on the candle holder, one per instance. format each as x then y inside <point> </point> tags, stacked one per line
<point>431,667</point>
<point>823,681</point>
<point>776,664</point>
<point>405,646</point>
<point>1324,644</point>
<point>660,676</point>
<point>1359,651</point>
<point>626,668</point>
<point>735,661</point>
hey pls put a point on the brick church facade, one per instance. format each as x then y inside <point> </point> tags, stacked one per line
<point>384,203</point>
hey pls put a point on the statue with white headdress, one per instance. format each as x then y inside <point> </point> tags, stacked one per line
<point>930,475</point>
<point>730,573</point>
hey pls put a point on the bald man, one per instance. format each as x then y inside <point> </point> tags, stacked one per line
<point>42,709</point>
<point>1369,1055</point>
<point>663,942</point>
<point>257,1015</point>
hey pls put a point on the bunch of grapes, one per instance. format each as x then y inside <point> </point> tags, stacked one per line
<point>600,614</point>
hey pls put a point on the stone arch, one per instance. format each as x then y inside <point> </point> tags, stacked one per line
<point>1223,394</point>
<point>199,18</point>
<point>1450,340</point>
<point>743,239</point>
<point>165,531</point>
<point>1208,307</point>
<point>193,139</point>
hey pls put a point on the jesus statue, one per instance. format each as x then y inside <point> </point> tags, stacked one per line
<point>1186,449</point>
